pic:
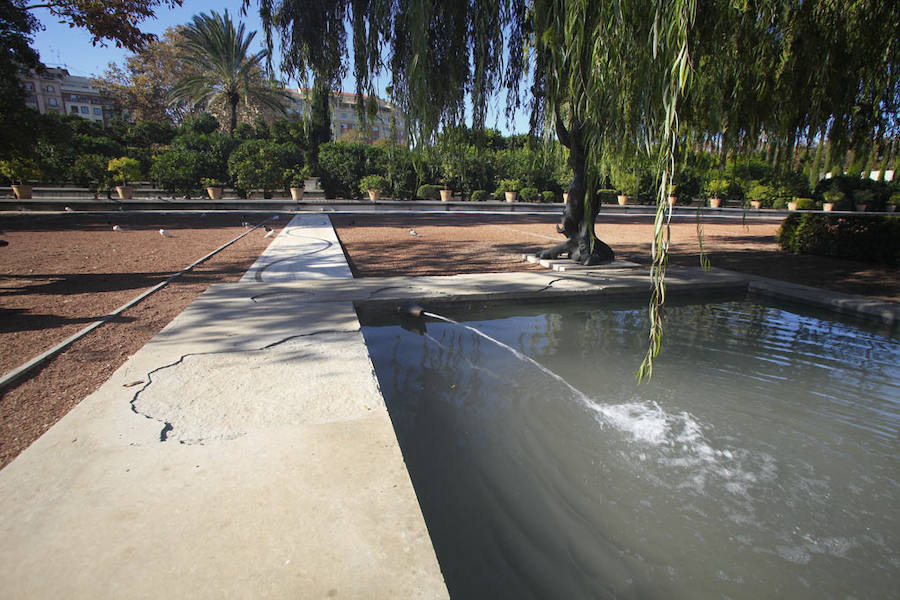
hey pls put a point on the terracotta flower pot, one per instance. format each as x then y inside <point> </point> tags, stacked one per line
<point>755,204</point>
<point>296,194</point>
<point>22,192</point>
<point>511,196</point>
<point>446,195</point>
<point>215,193</point>
<point>672,200</point>
<point>860,208</point>
<point>124,192</point>
<point>623,199</point>
<point>828,206</point>
<point>715,202</point>
<point>374,195</point>
<point>565,197</point>
<point>792,205</point>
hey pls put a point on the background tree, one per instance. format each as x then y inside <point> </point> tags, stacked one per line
<point>225,74</point>
<point>16,29</point>
<point>117,21</point>
<point>141,88</point>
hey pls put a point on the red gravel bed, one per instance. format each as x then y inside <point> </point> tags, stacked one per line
<point>381,245</point>
<point>61,272</point>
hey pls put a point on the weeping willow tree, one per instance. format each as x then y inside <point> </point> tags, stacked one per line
<point>616,81</point>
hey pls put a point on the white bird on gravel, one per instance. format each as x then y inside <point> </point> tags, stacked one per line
<point>70,209</point>
<point>165,233</point>
<point>271,233</point>
<point>413,232</point>
<point>116,228</point>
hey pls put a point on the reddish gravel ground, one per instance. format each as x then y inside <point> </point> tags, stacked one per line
<point>449,244</point>
<point>61,271</point>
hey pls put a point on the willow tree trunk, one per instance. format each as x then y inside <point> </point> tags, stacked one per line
<point>581,245</point>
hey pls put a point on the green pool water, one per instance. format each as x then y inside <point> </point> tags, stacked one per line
<point>762,460</point>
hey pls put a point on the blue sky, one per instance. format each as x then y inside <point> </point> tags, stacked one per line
<point>60,45</point>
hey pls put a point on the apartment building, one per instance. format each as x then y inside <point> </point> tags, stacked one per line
<point>55,90</point>
<point>345,125</point>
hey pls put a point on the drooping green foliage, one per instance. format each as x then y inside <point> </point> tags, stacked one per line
<point>622,79</point>
<point>226,73</point>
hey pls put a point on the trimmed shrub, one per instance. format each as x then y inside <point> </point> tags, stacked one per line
<point>779,203</point>
<point>760,193</point>
<point>499,195</point>
<point>608,196</point>
<point>529,194</point>
<point>373,182</point>
<point>805,203</point>
<point>177,170</point>
<point>480,196</point>
<point>548,196</point>
<point>125,168</point>
<point>863,238</point>
<point>89,170</point>
<point>260,165</point>
<point>509,185</point>
<point>429,192</point>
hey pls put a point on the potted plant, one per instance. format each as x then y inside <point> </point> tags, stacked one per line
<point>510,188</point>
<point>626,186</point>
<point>671,196</point>
<point>446,191</point>
<point>894,202</point>
<point>124,168</point>
<point>295,180</point>
<point>213,186</point>
<point>862,199</point>
<point>373,184</point>
<point>758,195</point>
<point>715,191</point>
<point>20,171</point>
<point>832,197</point>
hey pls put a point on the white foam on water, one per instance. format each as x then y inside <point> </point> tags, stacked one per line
<point>677,438</point>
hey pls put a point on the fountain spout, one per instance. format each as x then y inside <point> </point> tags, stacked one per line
<point>411,309</point>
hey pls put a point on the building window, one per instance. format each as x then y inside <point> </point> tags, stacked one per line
<point>74,110</point>
<point>29,86</point>
<point>51,102</point>
<point>343,115</point>
<point>98,112</point>
<point>84,110</point>
<point>51,89</point>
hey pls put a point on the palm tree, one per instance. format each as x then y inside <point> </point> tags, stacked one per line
<point>226,74</point>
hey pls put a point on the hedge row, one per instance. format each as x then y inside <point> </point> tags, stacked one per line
<point>864,238</point>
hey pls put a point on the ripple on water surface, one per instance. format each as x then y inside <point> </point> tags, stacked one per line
<point>760,461</point>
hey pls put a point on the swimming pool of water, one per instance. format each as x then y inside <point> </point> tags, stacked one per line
<point>761,460</point>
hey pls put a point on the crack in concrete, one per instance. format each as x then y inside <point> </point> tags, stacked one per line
<point>168,427</point>
<point>550,285</point>
<point>272,294</point>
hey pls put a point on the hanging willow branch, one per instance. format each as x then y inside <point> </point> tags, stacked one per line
<point>632,77</point>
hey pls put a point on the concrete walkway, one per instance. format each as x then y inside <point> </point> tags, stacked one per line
<point>245,452</point>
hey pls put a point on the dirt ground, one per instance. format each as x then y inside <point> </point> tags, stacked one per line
<point>381,245</point>
<point>62,271</point>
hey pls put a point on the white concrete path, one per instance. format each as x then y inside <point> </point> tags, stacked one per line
<point>307,248</point>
